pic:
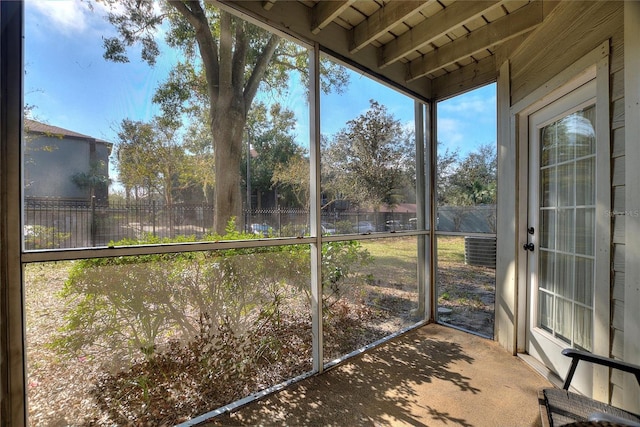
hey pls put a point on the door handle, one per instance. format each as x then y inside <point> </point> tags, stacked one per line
<point>528,247</point>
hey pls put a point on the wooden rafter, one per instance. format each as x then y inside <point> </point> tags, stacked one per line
<point>499,31</point>
<point>436,26</point>
<point>325,12</point>
<point>473,75</point>
<point>383,20</point>
<point>462,32</point>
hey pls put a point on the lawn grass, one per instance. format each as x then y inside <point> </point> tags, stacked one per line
<point>450,249</point>
<point>394,260</point>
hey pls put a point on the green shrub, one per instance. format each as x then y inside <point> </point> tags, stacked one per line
<point>126,305</point>
<point>129,306</point>
<point>340,261</point>
<point>200,327</point>
<point>41,237</point>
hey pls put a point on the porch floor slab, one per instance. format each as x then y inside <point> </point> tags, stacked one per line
<point>431,376</point>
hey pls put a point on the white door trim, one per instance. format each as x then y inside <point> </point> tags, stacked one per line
<point>631,334</point>
<point>594,65</point>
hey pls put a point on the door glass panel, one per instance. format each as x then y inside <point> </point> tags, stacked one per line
<point>585,171</point>
<point>567,227</point>
<point>547,227</point>
<point>563,319</point>
<point>585,230</point>
<point>565,275</point>
<point>548,145</point>
<point>545,304</point>
<point>547,187</point>
<point>565,230</point>
<point>585,132</point>
<point>547,278</point>
<point>565,185</point>
<point>584,277</point>
<point>583,326</point>
<point>565,139</point>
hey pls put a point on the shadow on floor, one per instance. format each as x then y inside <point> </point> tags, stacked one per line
<point>431,376</point>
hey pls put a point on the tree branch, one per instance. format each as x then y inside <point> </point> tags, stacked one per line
<point>261,67</point>
<point>226,48</point>
<point>239,60</point>
<point>192,11</point>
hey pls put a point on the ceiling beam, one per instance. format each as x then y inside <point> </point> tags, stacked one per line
<point>499,31</point>
<point>433,28</point>
<point>464,79</point>
<point>324,12</point>
<point>383,20</point>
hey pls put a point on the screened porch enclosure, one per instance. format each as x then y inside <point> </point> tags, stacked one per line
<point>168,300</point>
<point>290,195</point>
<point>156,304</point>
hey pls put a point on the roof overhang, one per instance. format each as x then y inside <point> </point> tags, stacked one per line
<point>428,49</point>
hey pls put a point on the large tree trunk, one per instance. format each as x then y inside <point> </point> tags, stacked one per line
<point>227,128</point>
<point>230,95</point>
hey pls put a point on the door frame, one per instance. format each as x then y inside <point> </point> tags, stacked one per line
<point>543,345</point>
<point>593,66</point>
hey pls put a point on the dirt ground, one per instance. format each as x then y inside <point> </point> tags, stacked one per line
<point>466,298</point>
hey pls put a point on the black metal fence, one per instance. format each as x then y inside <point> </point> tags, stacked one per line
<point>55,223</point>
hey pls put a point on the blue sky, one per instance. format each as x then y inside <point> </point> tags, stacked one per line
<point>70,84</point>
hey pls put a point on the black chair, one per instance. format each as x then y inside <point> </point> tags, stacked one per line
<point>559,407</point>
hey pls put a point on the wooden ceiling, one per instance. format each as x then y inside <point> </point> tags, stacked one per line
<point>429,48</point>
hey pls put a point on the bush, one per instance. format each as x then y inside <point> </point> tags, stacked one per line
<point>126,307</point>
<point>41,237</point>
<point>215,324</point>
<point>340,261</point>
<point>129,305</point>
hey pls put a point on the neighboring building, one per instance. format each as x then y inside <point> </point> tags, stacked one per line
<point>62,164</point>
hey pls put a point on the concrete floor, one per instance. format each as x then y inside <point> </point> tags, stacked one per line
<point>431,376</point>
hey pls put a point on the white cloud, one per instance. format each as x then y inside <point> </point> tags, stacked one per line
<point>68,17</point>
<point>468,120</point>
<point>450,132</point>
<point>469,105</point>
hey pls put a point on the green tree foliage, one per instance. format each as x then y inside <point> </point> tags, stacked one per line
<point>197,142</point>
<point>367,161</point>
<point>293,180</point>
<point>225,61</point>
<point>152,162</point>
<point>271,137</point>
<point>95,179</point>
<point>447,161</point>
<point>133,153</point>
<point>473,179</point>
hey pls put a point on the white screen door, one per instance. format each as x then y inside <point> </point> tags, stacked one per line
<point>561,227</point>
